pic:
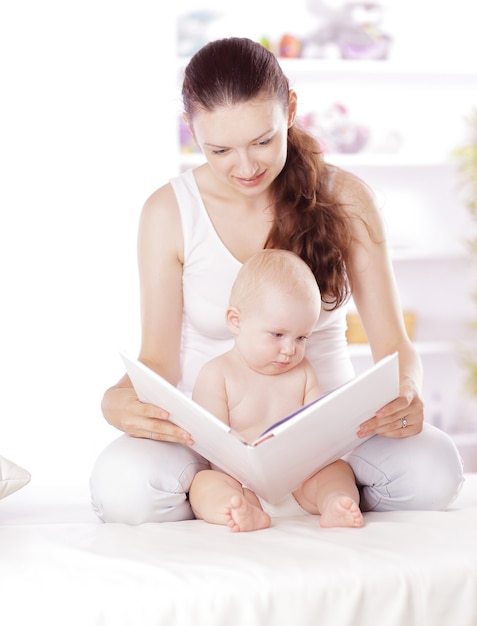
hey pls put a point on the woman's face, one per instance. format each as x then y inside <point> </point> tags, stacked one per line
<point>245,144</point>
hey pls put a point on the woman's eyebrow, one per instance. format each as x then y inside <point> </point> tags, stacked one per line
<point>213,145</point>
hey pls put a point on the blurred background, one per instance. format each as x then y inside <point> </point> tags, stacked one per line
<point>90,126</point>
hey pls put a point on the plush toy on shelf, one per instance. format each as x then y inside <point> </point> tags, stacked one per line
<point>289,47</point>
<point>347,30</point>
<point>336,131</point>
<point>193,30</point>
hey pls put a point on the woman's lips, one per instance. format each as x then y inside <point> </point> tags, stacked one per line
<point>251,182</point>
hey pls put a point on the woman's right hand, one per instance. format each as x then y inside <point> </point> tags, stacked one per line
<point>123,410</point>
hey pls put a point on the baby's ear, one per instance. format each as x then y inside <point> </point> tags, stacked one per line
<point>232,317</point>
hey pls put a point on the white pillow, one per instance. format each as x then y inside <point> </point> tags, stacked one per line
<point>12,477</point>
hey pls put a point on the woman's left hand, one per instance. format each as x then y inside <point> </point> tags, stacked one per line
<point>403,417</point>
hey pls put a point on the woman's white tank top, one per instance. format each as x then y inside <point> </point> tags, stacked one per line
<point>208,274</point>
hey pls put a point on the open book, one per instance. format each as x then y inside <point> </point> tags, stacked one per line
<point>291,450</point>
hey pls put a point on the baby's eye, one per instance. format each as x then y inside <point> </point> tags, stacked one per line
<point>302,338</point>
<point>277,335</point>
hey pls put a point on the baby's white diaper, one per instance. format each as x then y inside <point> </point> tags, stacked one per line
<point>288,507</point>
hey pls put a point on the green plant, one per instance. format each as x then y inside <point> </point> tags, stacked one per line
<point>467,169</point>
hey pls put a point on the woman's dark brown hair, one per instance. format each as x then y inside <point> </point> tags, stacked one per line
<point>308,219</point>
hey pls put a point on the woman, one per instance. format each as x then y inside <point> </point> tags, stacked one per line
<point>264,184</point>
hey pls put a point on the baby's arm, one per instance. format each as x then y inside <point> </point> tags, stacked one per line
<point>312,386</point>
<point>209,390</point>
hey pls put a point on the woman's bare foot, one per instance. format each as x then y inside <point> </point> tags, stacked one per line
<point>242,516</point>
<point>341,511</point>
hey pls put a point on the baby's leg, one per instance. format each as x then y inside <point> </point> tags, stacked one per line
<point>333,494</point>
<point>220,499</point>
<point>341,510</point>
<point>242,515</point>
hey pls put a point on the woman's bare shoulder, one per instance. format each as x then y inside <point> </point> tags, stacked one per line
<point>352,191</point>
<point>161,203</point>
<point>160,222</point>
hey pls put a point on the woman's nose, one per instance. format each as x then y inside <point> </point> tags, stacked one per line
<point>247,167</point>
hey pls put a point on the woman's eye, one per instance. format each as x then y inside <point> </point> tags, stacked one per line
<point>264,142</point>
<point>221,151</point>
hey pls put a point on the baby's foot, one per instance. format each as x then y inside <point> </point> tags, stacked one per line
<point>341,511</point>
<point>241,515</point>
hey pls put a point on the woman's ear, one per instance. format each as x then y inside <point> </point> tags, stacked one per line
<point>189,125</point>
<point>232,317</point>
<point>292,107</point>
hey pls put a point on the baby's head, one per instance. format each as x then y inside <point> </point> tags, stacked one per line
<point>274,270</point>
<point>274,305</point>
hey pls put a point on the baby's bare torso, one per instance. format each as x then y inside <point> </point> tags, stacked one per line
<point>256,401</point>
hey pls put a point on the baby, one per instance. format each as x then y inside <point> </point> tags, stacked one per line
<point>274,306</point>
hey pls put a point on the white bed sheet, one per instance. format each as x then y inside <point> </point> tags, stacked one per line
<point>59,566</point>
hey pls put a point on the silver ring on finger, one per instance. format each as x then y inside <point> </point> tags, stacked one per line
<point>403,422</point>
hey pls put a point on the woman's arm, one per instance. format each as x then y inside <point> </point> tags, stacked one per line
<point>160,278</point>
<point>377,300</point>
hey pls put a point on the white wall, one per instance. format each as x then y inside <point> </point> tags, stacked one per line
<point>86,136</point>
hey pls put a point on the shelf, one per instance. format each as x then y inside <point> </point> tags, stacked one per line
<point>425,348</point>
<point>413,254</point>
<point>391,69</point>
<point>375,159</point>
<point>305,67</point>
<point>359,160</point>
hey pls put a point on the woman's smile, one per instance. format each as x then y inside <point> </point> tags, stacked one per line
<point>251,182</point>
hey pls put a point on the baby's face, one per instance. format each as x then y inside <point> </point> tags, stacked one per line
<point>273,334</point>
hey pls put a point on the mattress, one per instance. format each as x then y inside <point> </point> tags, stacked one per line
<point>59,566</point>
